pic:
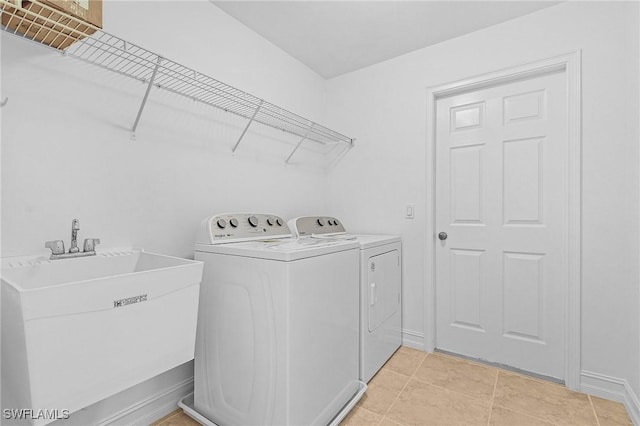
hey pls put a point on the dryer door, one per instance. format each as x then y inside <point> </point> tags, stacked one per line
<point>383,282</point>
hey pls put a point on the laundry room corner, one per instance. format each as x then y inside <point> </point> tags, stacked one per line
<point>385,104</point>
<point>68,151</point>
<point>77,159</point>
<point>320,213</point>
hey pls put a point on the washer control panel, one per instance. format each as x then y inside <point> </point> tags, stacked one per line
<point>316,225</point>
<point>241,227</point>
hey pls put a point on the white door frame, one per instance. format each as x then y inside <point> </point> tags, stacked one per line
<point>569,64</point>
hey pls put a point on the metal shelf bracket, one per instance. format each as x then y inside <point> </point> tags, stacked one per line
<point>298,146</point>
<point>247,126</point>
<point>4,102</point>
<point>144,99</point>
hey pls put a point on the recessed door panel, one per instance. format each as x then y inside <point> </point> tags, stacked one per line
<point>523,286</point>
<point>467,117</point>
<point>466,184</point>
<point>524,106</point>
<point>522,181</point>
<point>466,288</point>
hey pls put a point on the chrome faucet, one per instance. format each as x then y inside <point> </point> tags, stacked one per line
<point>57,246</point>
<point>75,227</point>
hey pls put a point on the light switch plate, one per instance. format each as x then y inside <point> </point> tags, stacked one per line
<point>410,211</point>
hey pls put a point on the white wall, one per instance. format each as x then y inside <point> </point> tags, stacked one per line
<point>66,150</point>
<point>384,106</point>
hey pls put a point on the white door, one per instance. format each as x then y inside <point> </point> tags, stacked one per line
<point>501,178</point>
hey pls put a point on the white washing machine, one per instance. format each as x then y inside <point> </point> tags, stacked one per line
<point>277,338</point>
<point>380,287</point>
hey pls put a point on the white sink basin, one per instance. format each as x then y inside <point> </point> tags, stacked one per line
<point>75,331</point>
<point>41,272</point>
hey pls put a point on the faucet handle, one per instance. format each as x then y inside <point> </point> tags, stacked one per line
<point>57,246</point>
<point>90,244</point>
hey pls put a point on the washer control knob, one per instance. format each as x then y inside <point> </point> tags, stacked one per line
<point>234,222</point>
<point>222,223</point>
<point>253,221</point>
<point>279,221</point>
<point>320,221</point>
<point>270,221</point>
<point>335,222</point>
<point>330,222</point>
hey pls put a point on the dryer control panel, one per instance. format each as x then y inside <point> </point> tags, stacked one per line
<point>316,225</point>
<point>232,227</point>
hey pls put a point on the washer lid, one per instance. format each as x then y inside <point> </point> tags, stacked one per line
<point>367,241</point>
<point>286,249</point>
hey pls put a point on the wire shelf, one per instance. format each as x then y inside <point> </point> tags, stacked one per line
<point>90,44</point>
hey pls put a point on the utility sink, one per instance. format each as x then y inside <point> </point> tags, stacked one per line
<point>76,331</point>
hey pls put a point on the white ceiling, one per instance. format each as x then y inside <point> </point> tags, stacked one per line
<point>336,37</point>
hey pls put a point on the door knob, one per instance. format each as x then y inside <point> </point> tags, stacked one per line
<point>443,236</point>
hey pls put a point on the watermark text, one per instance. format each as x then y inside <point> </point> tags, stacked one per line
<point>34,414</point>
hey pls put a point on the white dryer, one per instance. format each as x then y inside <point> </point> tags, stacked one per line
<point>277,338</point>
<point>380,287</point>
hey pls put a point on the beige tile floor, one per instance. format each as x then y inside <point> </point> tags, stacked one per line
<point>416,388</point>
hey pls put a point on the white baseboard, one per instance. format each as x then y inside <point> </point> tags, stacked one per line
<point>152,408</point>
<point>139,405</point>
<point>614,389</point>
<point>413,339</point>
